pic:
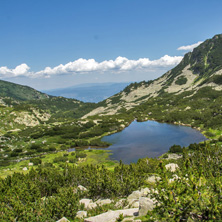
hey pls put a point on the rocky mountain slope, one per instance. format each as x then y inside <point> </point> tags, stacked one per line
<point>200,68</point>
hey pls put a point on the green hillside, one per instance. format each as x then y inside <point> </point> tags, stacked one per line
<point>19,92</point>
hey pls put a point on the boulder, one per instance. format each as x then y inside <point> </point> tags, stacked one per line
<point>63,220</point>
<point>81,214</point>
<point>111,216</point>
<point>172,167</point>
<point>145,204</point>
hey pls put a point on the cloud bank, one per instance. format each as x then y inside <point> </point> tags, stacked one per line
<point>120,64</point>
<point>189,47</point>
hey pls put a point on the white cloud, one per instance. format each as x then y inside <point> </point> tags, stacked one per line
<point>20,70</point>
<point>120,64</point>
<point>189,47</point>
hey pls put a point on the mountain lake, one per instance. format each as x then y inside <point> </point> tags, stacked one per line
<point>149,139</point>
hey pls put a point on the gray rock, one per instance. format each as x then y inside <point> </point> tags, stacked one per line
<point>81,214</point>
<point>145,204</point>
<point>63,220</point>
<point>111,216</point>
<point>172,167</point>
<point>101,202</point>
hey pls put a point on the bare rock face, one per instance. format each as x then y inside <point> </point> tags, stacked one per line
<point>145,204</point>
<point>111,216</point>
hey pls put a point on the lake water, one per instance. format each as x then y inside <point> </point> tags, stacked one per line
<point>149,139</point>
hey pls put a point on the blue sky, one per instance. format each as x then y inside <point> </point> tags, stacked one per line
<point>99,40</point>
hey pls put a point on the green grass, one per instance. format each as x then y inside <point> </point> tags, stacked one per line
<point>99,157</point>
<point>94,157</point>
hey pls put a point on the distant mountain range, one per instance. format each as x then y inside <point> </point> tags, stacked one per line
<point>91,92</point>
